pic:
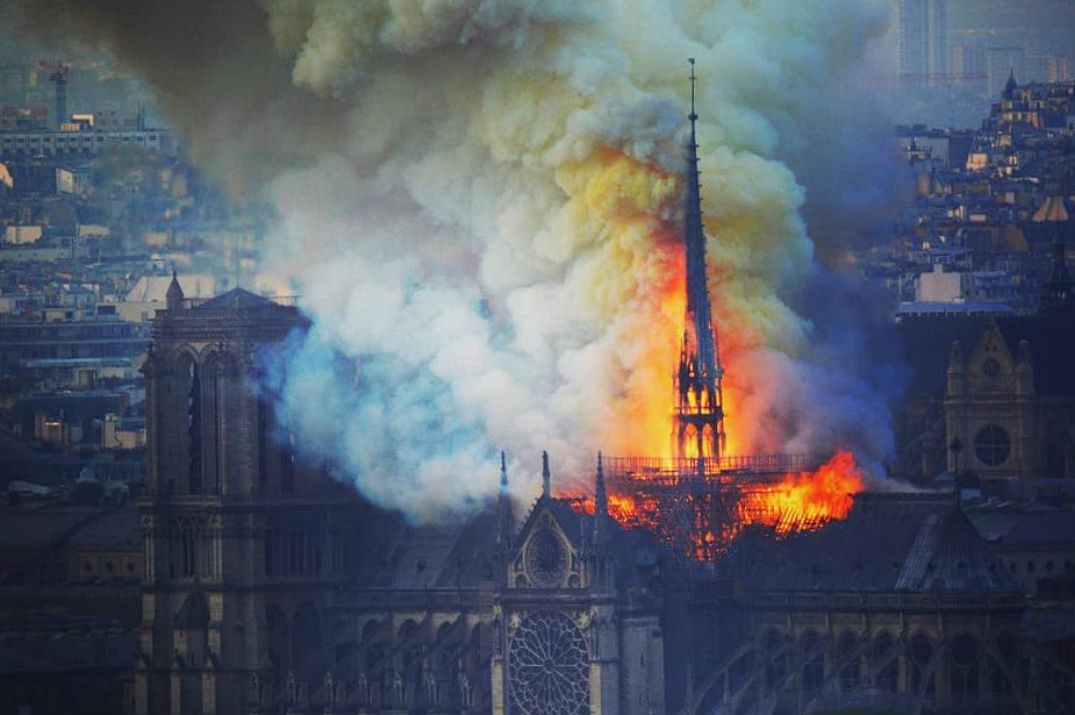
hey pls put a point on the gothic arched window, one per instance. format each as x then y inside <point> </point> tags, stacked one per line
<point>963,662</point>
<point>305,635</point>
<point>813,672</point>
<point>922,666</point>
<point>887,678</point>
<point>549,666</point>
<point>194,429</point>
<point>851,672</point>
<point>775,658</point>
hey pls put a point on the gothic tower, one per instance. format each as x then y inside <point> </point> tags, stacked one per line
<point>243,540</point>
<point>699,417</point>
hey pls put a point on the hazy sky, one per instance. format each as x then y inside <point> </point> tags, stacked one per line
<point>1047,24</point>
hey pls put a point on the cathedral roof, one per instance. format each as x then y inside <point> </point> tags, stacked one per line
<point>1018,525</point>
<point>406,556</point>
<point>895,543</point>
<point>236,299</point>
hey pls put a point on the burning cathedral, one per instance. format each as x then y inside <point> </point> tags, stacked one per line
<point>271,588</point>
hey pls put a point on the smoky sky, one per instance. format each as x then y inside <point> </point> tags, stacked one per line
<point>216,72</point>
<point>478,200</point>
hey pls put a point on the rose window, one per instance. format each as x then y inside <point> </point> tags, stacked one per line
<point>549,667</point>
<point>546,559</point>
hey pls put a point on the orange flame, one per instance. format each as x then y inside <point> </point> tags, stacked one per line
<point>805,500</point>
<point>798,501</point>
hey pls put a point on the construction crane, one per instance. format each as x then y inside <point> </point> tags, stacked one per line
<point>58,75</point>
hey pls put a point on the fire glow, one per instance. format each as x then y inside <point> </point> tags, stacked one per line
<point>805,500</point>
<point>794,502</point>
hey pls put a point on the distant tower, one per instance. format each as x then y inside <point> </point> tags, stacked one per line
<point>1057,299</point>
<point>922,27</point>
<point>699,419</point>
<point>1010,86</point>
<point>58,76</point>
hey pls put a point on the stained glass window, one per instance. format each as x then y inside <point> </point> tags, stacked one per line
<point>549,667</point>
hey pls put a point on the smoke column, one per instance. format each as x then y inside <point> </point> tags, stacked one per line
<point>480,200</point>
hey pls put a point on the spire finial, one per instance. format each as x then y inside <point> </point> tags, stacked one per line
<point>698,380</point>
<point>546,475</point>
<point>506,523</point>
<point>173,297</point>
<point>693,114</point>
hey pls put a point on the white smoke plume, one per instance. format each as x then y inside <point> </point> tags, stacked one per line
<point>484,231</point>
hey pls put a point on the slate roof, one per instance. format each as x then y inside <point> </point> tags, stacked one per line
<point>405,556</point>
<point>155,288</point>
<point>237,299</point>
<point>890,543</point>
<point>1024,526</point>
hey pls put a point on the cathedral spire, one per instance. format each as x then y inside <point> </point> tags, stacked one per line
<point>600,495</point>
<point>546,476</point>
<point>505,521</point>
<point>699,430</point>
<point>600,503</point>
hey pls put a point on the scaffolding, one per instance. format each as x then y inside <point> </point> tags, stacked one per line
<point>696,507</point>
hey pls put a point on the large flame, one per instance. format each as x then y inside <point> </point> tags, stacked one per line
<point>805,500</point>
<point>797,501</point>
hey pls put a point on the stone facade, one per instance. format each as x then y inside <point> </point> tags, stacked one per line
<point>917,617</point>
<point>270,587</point>
<point>993,397</point>
<point>243,540</point>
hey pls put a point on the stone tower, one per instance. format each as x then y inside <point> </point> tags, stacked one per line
<point>244,540</point>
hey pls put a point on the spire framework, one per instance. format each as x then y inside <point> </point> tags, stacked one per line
<point>699,418</point>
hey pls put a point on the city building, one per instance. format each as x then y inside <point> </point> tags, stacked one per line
<point>922,40</point>
<point>28,144</point>
<point>991,395</point>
